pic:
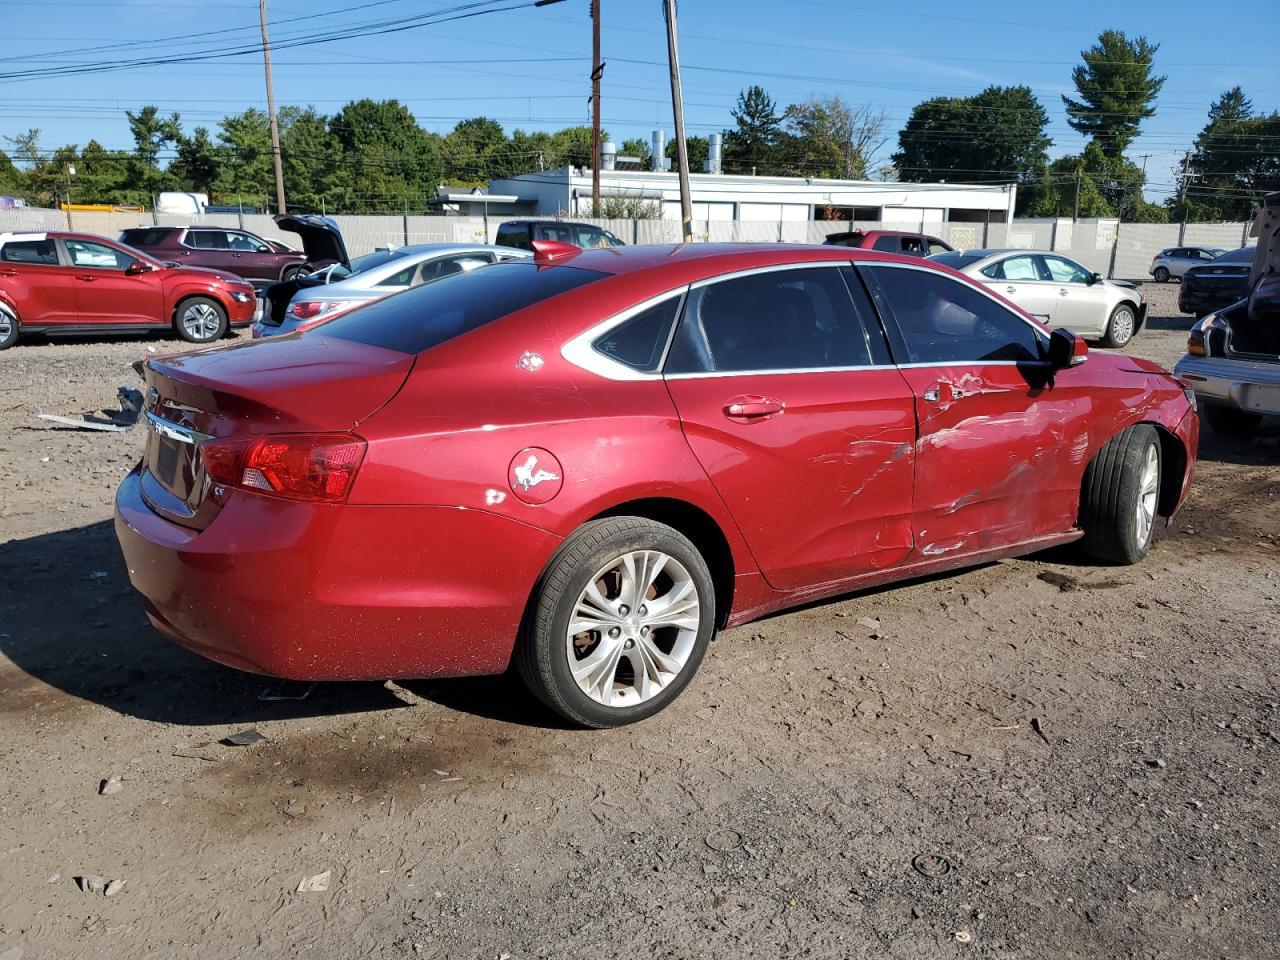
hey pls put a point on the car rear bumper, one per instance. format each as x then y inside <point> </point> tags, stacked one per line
<point>1250,385</point>
<point>241,314</point>
<point>335,592</point>
<point>1198,301</point>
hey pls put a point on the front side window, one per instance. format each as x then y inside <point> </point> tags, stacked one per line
<point>913,245</point>
<point>947,321</point>
<point>639,341</point>
<point>776,320</point>
<point>243,243</point>
<point>1064,271</point>
<point>44,252</point>
<point>89,253</point>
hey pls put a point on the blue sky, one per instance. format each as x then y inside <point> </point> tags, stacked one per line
<point>529,68</point>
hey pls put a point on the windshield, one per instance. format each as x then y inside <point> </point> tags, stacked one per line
<point>955,260</point>
<point>423,317</point>
<point>1243,255</point>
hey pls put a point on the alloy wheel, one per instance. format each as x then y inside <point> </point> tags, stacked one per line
<point>1148,489</point>
<point>6,326</point>
<point>201,321</point>
<point>633,628</point>
<point>1122,326</point>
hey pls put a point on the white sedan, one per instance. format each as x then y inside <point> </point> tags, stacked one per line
<point>1057,290</point>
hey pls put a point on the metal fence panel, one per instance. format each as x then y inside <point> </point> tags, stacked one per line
<point>1228,236</point>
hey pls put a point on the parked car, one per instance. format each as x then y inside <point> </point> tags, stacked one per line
<point>1175,261</point>
<point>335,290</point>
<point>521,234</point>
<point>236,251</point>
<point>56,283</point>
<point>1058,290</point>
<point>890,241</point>
<point>1233,354</point>
<point>1217,284</point>
<point>591,461</point>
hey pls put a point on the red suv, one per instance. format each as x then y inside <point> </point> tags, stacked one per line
<point>80,283</point>
<point>890,241</point>
<point>235,251</point>
<point>589,462</point>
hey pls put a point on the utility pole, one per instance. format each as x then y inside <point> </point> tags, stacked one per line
<point>271,110</point>
<point>1075,212</point>
<point>597,68</point>
<point>677,106</point>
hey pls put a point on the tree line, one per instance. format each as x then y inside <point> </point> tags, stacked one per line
<point>372,156</point>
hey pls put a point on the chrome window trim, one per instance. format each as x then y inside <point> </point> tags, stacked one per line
<point>981,288</point>
<point>581,351</point>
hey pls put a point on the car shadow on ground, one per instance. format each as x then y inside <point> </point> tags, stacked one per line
<point>1182,321</point>
<point>70,620</point>
<point>124,336</point>
<point>1260,450</point>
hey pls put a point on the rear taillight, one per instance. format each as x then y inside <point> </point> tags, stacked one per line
<point>1195,342</point>
<point>316,467</point>
<point>313,309</point>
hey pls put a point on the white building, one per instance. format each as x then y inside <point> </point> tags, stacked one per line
<point>566,191</point>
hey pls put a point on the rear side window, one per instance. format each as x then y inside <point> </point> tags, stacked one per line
<point>639,342</point>
<point>937,246</point>
<point>946,321</point>
<point>30,251</point>
<point>428,315</point>
<point>800,319</point>
<point>207,239</point>
<point>888,244</point>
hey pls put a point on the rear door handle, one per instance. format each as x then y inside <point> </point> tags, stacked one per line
<point>1010,289</point>
<point>746,409</point>
<point>87,279</point>
<point>1063,292</point>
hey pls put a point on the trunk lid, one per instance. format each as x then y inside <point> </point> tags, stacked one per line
<point>276,385</point>
<point>322,241</point>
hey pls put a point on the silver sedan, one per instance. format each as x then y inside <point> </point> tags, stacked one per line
<point>334,290</point>
<point>1057,290</point>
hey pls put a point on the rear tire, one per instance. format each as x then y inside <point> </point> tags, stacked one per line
<point>620,662</point>
<point>1119,496</point>
<point>1162,275</point>
<point>1121,326</point>
<point>8,329</point>
<point>1231,422</point>
<point>200,320</point>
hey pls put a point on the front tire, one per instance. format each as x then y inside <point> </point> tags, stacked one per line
<point>1162,275</point>
<point>8,329</point>
<point>1121,326</point>
<point>200,320</point>
<point>1231,422</point>
<point>619,622</point>
<point>1119,496</point>
<point>290,273</point>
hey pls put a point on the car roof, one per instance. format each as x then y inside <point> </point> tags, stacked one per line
<point>425,249</point>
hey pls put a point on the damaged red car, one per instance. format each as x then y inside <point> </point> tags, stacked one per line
<point>590,462</point>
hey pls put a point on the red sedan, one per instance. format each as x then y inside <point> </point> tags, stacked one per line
<point>80,283</point>
<point>591,461</point>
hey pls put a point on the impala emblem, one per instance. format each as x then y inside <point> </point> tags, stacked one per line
<point>527,476</point>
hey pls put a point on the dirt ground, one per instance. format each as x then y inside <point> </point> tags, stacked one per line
<point>1087,756</point>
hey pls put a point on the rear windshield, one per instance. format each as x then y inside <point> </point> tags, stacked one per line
<point>1243,255</point>
<point>955,261</point>
<point>427,316</point>
<point>145,237</point>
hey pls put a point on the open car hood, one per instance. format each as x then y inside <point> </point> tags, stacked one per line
<point>321,239</point>
<point>1264,278</point>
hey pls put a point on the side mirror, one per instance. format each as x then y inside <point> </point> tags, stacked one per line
<point>136,267</point>
<point>1095,278</point>
<point>264,249</point>
<point>1066,349</point>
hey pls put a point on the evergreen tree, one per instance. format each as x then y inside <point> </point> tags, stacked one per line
<point>751,143</point>
<point>1117,90</point>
